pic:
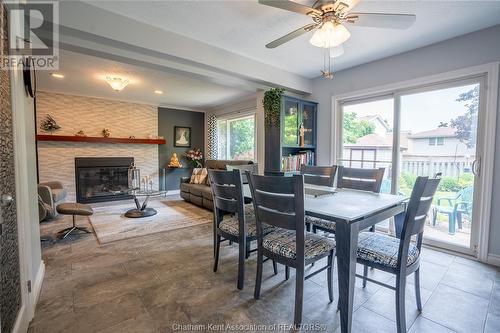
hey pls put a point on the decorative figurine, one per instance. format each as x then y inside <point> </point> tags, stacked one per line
<point>174,161</point>
<point>131,137</point>
<point>301,132</point>
<point>80,133</point>
<point>105,133</point>
<point>49,124</point>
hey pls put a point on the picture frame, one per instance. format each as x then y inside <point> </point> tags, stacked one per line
<point>182,136</point>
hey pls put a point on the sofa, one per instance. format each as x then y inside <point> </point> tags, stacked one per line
<point>201,194</point>
<point>50,194</point>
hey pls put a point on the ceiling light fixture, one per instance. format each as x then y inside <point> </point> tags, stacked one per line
<point>117,83</point>
<point>330,34</point>
<point>57,75</point>
<point>158,92</point>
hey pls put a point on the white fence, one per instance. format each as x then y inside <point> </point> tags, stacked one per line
<point>428,168</point>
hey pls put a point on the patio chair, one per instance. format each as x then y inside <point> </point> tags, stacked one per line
<point>234,221</point>
<point>454,207</point>
<point>279,202</point>
<point>400,255</point>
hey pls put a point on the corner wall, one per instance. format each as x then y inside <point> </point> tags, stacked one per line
<point>167,119</point>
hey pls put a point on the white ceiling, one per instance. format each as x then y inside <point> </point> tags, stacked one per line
<point>244,27</point>
<point>84,75</point>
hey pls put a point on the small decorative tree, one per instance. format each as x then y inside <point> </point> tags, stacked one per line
<point>49,124</point>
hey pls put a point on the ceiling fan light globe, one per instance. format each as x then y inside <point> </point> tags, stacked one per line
<point>336,51</point>
<point>330,35</point>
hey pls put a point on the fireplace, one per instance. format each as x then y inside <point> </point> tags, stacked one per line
<point>101,179</point>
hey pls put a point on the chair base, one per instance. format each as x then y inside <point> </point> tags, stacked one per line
<point>65,232</point>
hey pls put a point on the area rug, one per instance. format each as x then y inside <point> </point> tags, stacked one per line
<point>111,225</point>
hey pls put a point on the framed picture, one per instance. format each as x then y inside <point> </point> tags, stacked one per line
<point>182,136</point>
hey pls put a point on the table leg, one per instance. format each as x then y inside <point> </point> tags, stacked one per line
<point>346,235</point>
<point>137,204</point>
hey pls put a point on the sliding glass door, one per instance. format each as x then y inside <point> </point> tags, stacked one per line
<point>439,129</point>
<point>422,132</point>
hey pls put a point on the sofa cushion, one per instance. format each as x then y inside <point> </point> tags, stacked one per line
<point>185,187</point>
<point>198,189</point>
<point>185,195</point>
<point>221,164</point>
<point>197,200</point>
<point>58,194</point>
<point>207,193</point>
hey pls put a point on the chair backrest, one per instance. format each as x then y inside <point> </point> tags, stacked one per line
<point>360,179</point>
<point>318,175</point>
<point>279,202</point>
<point>227,191</point>
<point>465,195</point>
<point>416,213</point>
<point>253,168</point>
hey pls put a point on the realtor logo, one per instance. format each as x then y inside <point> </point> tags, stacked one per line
<point>33,31</point>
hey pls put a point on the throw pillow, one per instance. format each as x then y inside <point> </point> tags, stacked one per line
<point>199,176</point>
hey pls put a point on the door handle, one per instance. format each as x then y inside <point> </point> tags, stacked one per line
<point>476,167</point>
<point>6,199</point>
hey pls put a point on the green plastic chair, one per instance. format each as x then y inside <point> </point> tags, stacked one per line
<point>454,207</point>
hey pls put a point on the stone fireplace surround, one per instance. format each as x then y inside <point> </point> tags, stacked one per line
<point>56,160</point>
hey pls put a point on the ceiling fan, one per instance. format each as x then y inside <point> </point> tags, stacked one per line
<point>329,19</point>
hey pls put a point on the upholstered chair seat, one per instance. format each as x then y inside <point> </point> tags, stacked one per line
<point>383,249</point>
<point>230,225</point>
<point>282,242</point>
<point>321,223</point>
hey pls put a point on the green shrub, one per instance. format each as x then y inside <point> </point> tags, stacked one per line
<point>453,184</point>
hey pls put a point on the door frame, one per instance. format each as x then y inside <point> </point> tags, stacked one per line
<point>486,141</point>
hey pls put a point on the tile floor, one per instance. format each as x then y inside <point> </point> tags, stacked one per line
<point>152,283</point>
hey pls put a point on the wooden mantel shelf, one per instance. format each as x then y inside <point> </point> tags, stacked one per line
<point>98,139</point>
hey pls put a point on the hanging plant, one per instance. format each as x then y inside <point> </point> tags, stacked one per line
<point>272,106</point>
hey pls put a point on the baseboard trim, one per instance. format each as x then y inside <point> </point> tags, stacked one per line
<point>37,286</point>
<point>22,321</point>
<point>493,259</point>
<point>173,192</point>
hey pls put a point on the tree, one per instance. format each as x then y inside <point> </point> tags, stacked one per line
<point>354,128</point>
<point>242,135</point>
<point>463,124</point>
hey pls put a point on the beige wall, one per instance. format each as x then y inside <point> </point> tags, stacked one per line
<point>74,113</point>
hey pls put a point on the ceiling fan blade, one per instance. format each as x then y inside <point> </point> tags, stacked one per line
<point>290,6</point>
<point>291,35</point>
<point>345,5</point>
<point>379,20</point>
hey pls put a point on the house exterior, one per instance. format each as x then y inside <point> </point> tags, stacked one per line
<point>422,153</point>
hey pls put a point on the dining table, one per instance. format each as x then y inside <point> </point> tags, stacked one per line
<point>352,211</point>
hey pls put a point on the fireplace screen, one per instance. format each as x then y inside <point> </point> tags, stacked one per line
<point>102,179</point>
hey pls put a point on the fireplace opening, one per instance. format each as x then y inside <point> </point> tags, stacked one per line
<point>100,179</point>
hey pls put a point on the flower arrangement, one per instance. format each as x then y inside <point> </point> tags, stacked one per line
<point>194,156</point>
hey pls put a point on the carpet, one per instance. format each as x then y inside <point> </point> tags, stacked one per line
<point>111,225</point>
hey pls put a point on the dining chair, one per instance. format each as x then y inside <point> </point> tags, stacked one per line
<point>399,255</point>
<point>318,175</point>
<point>233,220</point>
<point>279,202</point>
<point>351,178</point>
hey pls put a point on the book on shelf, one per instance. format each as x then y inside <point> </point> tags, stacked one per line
<point>293,162</point>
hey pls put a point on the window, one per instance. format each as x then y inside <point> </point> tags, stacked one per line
<point>236,138</point>
<point>436,141</point>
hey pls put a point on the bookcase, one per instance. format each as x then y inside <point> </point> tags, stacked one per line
<point>294,142</point>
